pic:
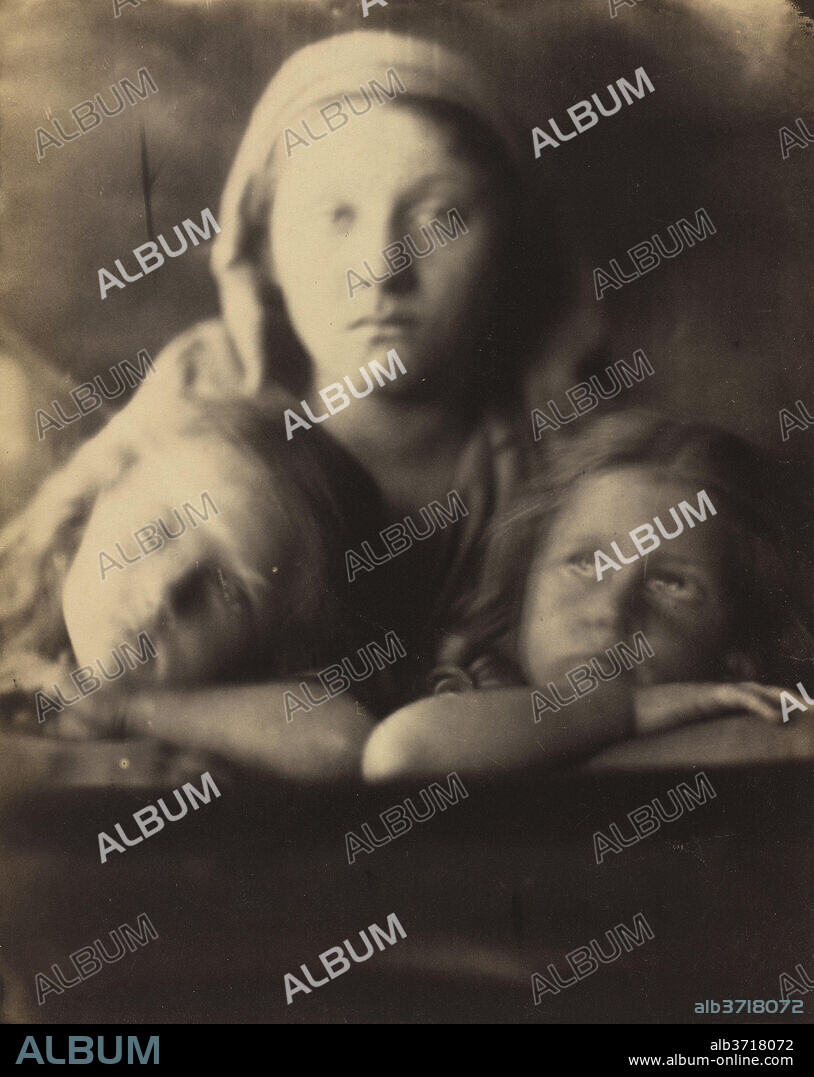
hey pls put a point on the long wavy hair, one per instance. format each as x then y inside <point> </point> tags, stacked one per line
<point>328,504</point>
<point>769,622</point>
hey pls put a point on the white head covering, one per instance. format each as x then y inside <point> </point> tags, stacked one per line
<point>317,73</point>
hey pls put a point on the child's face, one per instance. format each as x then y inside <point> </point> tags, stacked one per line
<point>675,595</point>
<point>184,594</point>
<point>339,202</point>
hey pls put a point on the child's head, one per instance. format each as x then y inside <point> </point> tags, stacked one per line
<point>251,582</point>
<point>306,203</point>
<point>713,603</point>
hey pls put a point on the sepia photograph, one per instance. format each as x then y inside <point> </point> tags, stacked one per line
<point>404,416</point>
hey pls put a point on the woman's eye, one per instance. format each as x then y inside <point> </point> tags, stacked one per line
<point>583,564</point>
<point>424,212</point>
<point>341,216</point>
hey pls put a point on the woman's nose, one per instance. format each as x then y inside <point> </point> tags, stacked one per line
<point>380,241</point>
<point>374,231</point>
<point>403,277</point>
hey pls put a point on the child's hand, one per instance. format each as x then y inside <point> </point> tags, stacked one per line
<point>31,765</point>
<point>25,673</point>
<point>28,672</point>
<point>22,675</point>
<point>664,706</point>
<point>31,753</point>
<point>98,717</point>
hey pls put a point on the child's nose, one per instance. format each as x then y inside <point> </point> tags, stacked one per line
<point>611,608</point>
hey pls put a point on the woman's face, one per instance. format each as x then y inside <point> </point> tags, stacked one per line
<point>674,595</point>
<point>340,202</point>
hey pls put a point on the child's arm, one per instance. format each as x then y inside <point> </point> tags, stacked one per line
<point>246,724</point>
<point>493,730</point>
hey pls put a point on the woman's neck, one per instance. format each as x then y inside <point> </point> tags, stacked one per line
<point>411,448</point>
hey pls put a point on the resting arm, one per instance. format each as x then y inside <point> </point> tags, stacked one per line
<point>493,730</point>
<point>243,724</point>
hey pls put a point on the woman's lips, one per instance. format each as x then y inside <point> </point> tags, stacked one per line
<point>384,322</point>
<point>388,330</point>
<point>395,332</point>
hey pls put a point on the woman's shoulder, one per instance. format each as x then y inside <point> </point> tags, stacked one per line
<point>493,461</point>
<point>202,362</point>
<point>198,365</point>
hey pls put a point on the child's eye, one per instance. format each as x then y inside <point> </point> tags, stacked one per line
<point>185,596</point>
<point>673,585</point>
<point>583,564</point>
<point>231,592</point>
<point>199,590</point>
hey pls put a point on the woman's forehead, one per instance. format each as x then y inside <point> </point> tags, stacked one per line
<point>391,142</point>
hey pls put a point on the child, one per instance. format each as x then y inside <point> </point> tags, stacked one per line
<point>713,599</point>
<point>228,564</point>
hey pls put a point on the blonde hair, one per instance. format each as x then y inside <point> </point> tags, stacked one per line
<point>769,623</point>
<point>297,504</point>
